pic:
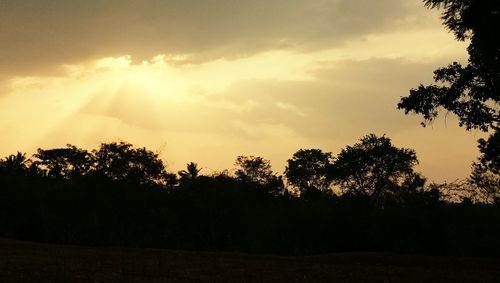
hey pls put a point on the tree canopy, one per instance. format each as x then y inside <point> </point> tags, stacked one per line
<point>470,91</point>
<point>373,167</point>
<point>190,173</point>
<point>64,162</point>
<point>254,169</point>
<point>308,169</point>
<point>124,196</point>
<point>121,161</point>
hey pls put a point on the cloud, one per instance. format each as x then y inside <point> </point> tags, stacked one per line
<point>346,98</point>
<point>337,98</point>
<point>214,111</point>
<point>39,35</point>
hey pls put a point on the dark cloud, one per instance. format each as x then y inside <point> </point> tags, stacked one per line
<point>38,34</point>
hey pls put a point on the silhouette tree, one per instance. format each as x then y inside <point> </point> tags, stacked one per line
<point>120,161</point>
<point>15,164</point>
<point>485,177</point>
<point>490,153</point>
<point>485,183</point>
<point>114,204</point>
<point>257,170</point>
<point>190,173</point>
<point>253,169</point>
<point>472,92</point>
<point>64,163</point>
<point>374,168</point>
<point>308,169</point>
<point>171,180</point>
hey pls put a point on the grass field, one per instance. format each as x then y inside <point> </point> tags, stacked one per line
<point>32,262</point>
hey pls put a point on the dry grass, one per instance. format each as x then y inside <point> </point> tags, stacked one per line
<point>31,262</point>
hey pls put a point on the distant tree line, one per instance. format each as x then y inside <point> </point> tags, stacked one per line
<point>366,198</point>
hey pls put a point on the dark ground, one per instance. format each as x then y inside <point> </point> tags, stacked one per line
<point>32,262</point>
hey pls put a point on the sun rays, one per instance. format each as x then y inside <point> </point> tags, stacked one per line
<point>270,103</point>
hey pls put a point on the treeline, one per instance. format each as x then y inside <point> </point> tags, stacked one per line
<point>366,198</point>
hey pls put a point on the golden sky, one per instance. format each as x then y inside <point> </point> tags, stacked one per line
<point>207,80</point>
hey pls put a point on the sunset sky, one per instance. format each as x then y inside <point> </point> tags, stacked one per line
<point>208,80</point>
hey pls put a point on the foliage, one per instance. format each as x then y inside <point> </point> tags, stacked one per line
<point>308,169</point>
<point>120,161</point>
<point>65,163</point>
<point>15,164</point>
<point>257,170</point>
<point>190,173</point>
<point>472,92</point>
<point>118,201</point>
<point>490,153</point>
<point>374,167</point>
<point>486,183</point>
<point>253,169</point>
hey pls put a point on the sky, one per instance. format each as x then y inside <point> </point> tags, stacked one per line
<point>208,80</point>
